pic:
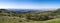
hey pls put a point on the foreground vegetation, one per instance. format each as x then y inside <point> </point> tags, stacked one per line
<point>7,16</point>
<point>57,20</point>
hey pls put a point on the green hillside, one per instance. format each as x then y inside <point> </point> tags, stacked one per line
<point>7,16</point>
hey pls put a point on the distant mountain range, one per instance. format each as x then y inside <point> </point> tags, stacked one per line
<point>24,10</point>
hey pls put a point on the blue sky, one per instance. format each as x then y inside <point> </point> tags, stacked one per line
<point>30,4</point>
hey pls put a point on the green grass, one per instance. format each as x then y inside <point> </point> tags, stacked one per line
<point>8,20</point>
<point>11,20</point>
<point>57,20</point>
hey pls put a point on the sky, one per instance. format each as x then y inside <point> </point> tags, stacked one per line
<point>29,4</point>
